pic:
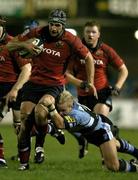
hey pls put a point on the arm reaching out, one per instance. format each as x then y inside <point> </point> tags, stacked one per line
<point>29,45</point>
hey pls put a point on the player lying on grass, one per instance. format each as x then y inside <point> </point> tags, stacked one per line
<point>96,129</point>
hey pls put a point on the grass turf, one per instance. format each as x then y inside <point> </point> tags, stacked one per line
<point>61,161</point>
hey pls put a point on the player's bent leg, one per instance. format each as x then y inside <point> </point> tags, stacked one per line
<point>41,120</point>
<point>41,114</point>
<point>41,127</point>
<point>16,121</point>
<point>16,126</point>
<point>39,144</point>
<point>109,153</point>
<point>111,160</point>
<point>124,146</point>
<point>24,145</point>
<point>24,138</point>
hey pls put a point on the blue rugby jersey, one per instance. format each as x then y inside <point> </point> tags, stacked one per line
<point>80,118</point>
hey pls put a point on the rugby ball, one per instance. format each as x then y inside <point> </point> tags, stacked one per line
<point>35,41</point>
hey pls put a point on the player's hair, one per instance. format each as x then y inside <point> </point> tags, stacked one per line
<point>65,96</point>
<point>93,23</point>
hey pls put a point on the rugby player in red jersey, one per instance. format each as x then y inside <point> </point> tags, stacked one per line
<point>52,130</point>
<point>14,72</point>
<point>48,74</point>
<point>39,151</point>
<point>104,56</point>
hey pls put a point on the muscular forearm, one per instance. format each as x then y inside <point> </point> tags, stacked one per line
<point>72,79</point>
<point>58,121</point>
<point>90,70</point>
<point>15,44</point>
<point>23,77</point>
<point>122,76</point>
<point>55,116</point>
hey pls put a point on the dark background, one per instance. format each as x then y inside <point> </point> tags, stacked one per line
<point>117,31</point>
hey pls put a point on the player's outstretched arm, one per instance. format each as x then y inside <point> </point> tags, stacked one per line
<point>29,46</point>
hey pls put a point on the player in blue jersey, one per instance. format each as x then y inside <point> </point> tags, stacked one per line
<point>95,128</point>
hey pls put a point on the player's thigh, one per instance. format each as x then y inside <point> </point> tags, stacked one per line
<point>109,152</point>
<point>46,99</point>
<point>41,110</point>
<point>102,109</point>
<point>27,107</point>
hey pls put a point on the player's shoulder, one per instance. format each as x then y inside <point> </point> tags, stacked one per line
<point>105,46</point>
<point>108,50</point>
<point>69,37</point>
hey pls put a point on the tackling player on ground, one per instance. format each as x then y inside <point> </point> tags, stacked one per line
<point>95,128</point>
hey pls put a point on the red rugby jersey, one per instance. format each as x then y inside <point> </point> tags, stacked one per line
<point>103,56</point>
<point>9,64</point>
<point>50,65</point>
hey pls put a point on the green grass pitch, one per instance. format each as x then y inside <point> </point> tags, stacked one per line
<point>62,162</point>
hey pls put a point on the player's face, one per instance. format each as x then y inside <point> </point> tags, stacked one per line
<point>55,28</point>
<point>91,35</point>
<point>65,108</point>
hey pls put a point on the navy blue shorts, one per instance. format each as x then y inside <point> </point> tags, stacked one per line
<point>104,97</point>
<point>101,135</point>
<point>34,92</point>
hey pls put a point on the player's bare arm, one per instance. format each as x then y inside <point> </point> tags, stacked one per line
<point>16,44</point>
<point>22,79</point>
<point>90,70</point>
<point>122,76</point>
<point>55,116</point>
<point>72,79</point>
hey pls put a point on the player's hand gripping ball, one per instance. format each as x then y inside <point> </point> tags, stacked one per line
<point>34,48</point>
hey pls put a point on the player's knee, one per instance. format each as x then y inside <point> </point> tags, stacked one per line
<point>41,114</point>
<point>24,118</point>
<point>112,165</point>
